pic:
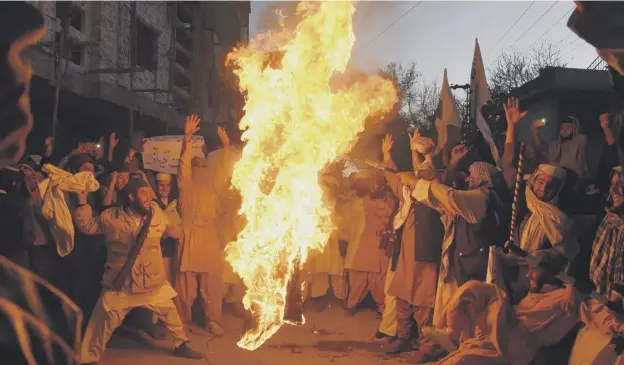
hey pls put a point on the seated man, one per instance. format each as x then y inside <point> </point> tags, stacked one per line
<point>490,331</point>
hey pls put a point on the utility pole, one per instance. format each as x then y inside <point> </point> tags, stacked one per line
<point>59,54</point>
<point>467,117</point>
<point>133,65</point>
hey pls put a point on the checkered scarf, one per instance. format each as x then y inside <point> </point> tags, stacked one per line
<point>606,263</point>
<point>481,174</point>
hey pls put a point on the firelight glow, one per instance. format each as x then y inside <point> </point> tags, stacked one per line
<point>295,123</point>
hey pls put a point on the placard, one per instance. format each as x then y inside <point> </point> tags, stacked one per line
<point>162,153</point>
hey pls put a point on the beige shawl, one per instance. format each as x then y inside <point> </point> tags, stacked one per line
<point>547,221</point>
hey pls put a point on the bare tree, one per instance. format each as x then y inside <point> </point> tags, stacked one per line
<point>418,98</point>
<point>514,68</point>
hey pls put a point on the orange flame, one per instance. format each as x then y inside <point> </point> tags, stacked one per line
<point>295,123</point>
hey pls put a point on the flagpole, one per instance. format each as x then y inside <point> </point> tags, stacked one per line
<point>515,199</point>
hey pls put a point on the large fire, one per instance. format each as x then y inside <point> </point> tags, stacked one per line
<point>295,123</point>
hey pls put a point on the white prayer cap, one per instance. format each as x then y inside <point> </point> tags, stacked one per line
<point>553,171</point>
<point>35,158</point>
<point>161,176</point>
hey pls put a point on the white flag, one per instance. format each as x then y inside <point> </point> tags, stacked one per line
<point>447,123</point>
<point>479,97</point>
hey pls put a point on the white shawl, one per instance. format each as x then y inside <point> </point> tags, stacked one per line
<point>548,221</point>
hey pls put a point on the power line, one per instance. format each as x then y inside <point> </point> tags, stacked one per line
<point>554,24</point>
<point>526,31</point>
<point>536,22</point>
<point>581,44</point>
<point>570,43</point>
<point>565,38</point>
<point>389,26</point>
<point>512,26</point>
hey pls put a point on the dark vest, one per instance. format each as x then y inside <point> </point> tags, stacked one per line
<point>429,232</point>
<point>470,248</point>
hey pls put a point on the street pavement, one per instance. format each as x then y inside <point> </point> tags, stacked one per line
<point>328,337</point>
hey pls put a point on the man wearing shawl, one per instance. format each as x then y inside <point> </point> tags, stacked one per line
<point>145,285</point>
<point>545,226</point>
<point>568,150</point>
<point>470,219</point>
<point>415,261</point>
<point>606,264</point>
<point>491,332</point>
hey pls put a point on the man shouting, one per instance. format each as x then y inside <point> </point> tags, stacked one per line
<point>134,275</point>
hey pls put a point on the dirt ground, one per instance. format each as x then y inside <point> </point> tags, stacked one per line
<point>328,337</point>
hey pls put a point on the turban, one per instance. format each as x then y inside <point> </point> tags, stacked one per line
<point>161,176</point>
<point>134,186</point>
<point>482,173</point>
<point>552,260</point>
<point>552,170</point>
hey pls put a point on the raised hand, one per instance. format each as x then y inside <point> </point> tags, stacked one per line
<point>113,141</point>
<point>414,136</point>
<point>604,119</point>
<point>537,124</point>
<point>191,127</point>
<point>136,141</point>
<point>49,143</point>
<point>513,113</point>
<point>458,153</point>
<point>99,151</point>
<point>387,144</point>
<point>114,176</point>
<point>223,136</point>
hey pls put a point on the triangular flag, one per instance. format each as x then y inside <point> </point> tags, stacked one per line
<point>479,97</point>
<point>447,123</point>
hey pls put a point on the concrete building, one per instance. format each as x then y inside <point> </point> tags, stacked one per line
<point>561,92</point>
<point>128,66</point>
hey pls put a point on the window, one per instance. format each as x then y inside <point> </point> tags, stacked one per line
<point>147,47</point>
<point>245,29</point>
<point>75,15</point>
<point>183,60</point>
<point>72,51</point>
<point>182,81</point>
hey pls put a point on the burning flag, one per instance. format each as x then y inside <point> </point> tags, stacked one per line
<point>296,122</point>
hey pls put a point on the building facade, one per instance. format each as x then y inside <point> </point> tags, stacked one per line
<point>134,66</point>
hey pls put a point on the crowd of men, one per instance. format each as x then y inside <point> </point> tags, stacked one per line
<point>432,245</point>
<point>430,242</point>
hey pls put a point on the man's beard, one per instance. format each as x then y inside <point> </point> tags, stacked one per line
<point>139,208</point>
<point>377,194</point>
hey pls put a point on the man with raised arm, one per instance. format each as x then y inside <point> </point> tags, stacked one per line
<point>200,258</point>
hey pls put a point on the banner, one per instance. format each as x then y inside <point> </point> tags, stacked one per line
<point>162,153</point>
<point>479,97</point>
<point>447,123</point>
